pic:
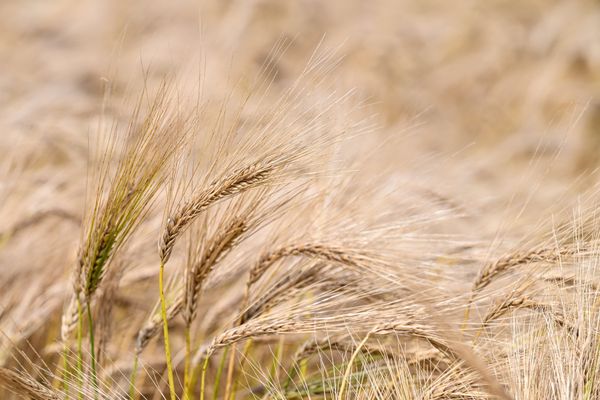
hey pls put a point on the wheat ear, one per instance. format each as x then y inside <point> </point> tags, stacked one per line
<point>490,271</point>
<point>24,385</point>
<point>231,184</point>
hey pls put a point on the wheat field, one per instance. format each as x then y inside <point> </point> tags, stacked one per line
<point>278,199</point>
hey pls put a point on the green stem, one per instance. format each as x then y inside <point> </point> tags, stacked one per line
<point>80,348</point>
<point>92,348</point>
<point>194,374</point>
<point>236,382</point>
<point>276,362</point>
<point>186,373</point>
<point>163,313</point>
<point>230,372</point>
<point>203,378</point>
<point>132,378</point>
<point>303,369</point>
<point>349,366</point>
<point>66,370</point>
<point>219,373</point>
<point>291,374</point>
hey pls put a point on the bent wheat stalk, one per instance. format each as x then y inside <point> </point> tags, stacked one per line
<point>237,182</point>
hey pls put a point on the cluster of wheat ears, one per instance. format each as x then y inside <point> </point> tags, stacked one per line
<point>277,276</point>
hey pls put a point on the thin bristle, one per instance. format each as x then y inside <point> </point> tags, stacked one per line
<point>25,386</point>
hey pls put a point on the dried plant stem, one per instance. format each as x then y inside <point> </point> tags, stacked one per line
<point>163,313</point>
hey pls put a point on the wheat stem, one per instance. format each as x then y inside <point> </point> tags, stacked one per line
<point>219,373</point>
<point>276,359</point>
<point>349,366</point>
<point>92,349</point>
<point>80,348</point>
<point>230,368</point>
<point>186,373</point>
<point>133,376</point>
<point>62,378</point>
<point>163,314</point>
<point>203,378</point>
<point>247,348</point>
